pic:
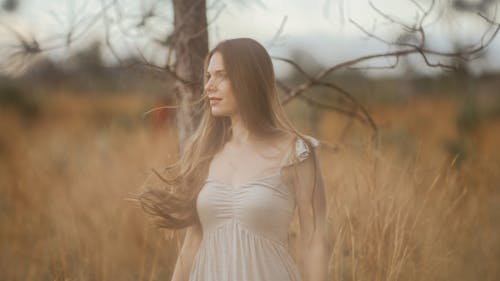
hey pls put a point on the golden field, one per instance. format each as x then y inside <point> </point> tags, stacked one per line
<point>409,209</point>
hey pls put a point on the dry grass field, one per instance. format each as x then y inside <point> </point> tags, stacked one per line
<point>407,210</point>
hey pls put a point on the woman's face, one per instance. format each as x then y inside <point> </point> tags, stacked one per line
<point>219,89</point>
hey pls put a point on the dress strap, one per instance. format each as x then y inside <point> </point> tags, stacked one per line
<point>299,152</point>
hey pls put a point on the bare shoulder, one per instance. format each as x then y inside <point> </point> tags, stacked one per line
<point>285,141</point>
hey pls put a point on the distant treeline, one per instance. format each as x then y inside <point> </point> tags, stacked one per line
<point>86,73</point>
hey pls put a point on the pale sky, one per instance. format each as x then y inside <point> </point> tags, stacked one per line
<point>320,27</point>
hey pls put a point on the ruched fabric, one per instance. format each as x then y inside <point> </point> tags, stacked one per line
<point>245,227</point>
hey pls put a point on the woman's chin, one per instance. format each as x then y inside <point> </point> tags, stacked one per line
<point>218,113</point>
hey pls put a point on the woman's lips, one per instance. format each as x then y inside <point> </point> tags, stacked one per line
<point>214,100</point>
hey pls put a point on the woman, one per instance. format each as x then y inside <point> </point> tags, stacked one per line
<point>240,178</point>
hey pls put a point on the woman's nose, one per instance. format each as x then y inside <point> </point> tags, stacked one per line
<point>208,85</point>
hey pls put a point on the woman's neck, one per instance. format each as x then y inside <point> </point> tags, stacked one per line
<point>240,133</point>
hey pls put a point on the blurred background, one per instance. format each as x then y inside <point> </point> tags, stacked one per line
<point>407,92</point>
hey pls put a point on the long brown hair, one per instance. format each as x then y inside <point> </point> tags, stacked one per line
<point>250,71</point>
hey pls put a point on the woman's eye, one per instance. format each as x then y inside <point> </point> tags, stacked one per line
<point>218,77</point>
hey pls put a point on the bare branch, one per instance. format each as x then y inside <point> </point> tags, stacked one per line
<point>380,39</point>
<point>29,46</point>
<point>340,90</point>
<point>313,81</point>
<point>407,49</point>
<point>278,32</point>
<point>418,5</point>
<point>390,18</point>
<point>350,113</point>
<point>165,69</point>
<point>107,36</point>
<point>419,48</point>
<point>282,86</point>
<point>390,66</point>
<point>426,12</point>
<point>294,64</point>
<point>412,49</point>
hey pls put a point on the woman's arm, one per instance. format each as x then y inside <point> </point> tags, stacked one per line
<point>313,224</point>
<point>189,249</point>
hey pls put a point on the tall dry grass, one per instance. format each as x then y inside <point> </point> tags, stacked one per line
<point>398,212</point>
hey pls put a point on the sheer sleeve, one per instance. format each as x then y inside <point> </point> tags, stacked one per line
<point>300,151</point>
<point>309,191</point>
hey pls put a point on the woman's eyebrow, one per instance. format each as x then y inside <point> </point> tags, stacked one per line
<point>217,71</point>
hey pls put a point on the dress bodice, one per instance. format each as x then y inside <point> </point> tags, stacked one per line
<point>264,206</point>
<point>245,227</point>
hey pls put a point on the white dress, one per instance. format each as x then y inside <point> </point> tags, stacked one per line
<point>245,228</point>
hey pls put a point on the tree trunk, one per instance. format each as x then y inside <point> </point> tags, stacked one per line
<point>191,47</point>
